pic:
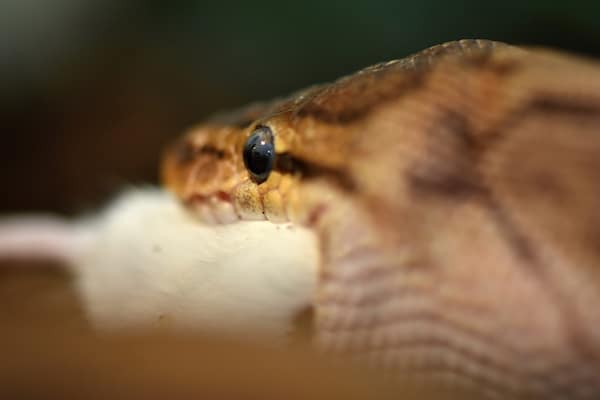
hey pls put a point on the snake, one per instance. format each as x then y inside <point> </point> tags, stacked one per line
<point>454,197</point>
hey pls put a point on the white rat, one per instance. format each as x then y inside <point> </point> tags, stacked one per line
<point>146,261</point>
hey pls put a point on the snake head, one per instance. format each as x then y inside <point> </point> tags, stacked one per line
<point>228,172</point>
<point>337,139</point>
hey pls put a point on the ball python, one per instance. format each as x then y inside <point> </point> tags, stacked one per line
<point>454,197</point>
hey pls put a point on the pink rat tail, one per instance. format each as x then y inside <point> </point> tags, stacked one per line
<point>43,237</point>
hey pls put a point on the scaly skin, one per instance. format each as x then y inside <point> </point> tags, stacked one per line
<point>454,195</point>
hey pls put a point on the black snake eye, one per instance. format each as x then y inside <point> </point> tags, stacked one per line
<point>259,153</point>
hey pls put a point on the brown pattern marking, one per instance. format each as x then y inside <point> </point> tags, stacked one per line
<point>210,150</point>
<point>353,97</point>
<point>453,177</point>
<point>449,168</point>
<point>347,101</point>
<point>537,104</point>
<point>185,152</point>
<point>519,240</point>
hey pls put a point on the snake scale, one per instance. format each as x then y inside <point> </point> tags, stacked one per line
<point>454,195</point>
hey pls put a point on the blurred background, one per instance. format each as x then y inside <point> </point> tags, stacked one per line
<point>90,91</point>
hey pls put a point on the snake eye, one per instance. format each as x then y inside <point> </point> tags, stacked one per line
<point>259,153</point>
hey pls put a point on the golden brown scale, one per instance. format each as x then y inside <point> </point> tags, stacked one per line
<point>454,194</point>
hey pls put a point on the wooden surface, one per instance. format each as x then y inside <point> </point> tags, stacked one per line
<point>49,351</point>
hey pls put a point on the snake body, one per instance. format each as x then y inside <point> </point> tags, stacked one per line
<point>454,195</point>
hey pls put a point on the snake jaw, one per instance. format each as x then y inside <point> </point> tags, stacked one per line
<point>245,201</point>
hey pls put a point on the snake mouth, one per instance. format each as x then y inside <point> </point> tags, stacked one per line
<point>220,208</point>
<point>214,209</point>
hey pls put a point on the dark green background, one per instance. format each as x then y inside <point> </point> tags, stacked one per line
<point>90,91</point>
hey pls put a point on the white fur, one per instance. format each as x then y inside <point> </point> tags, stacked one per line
<point>147,261</point>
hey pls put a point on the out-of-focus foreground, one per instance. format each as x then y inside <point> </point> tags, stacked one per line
<point>50,352</point>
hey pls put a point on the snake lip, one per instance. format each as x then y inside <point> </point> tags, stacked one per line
<point>216,208</point>
<point>196,198</point>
